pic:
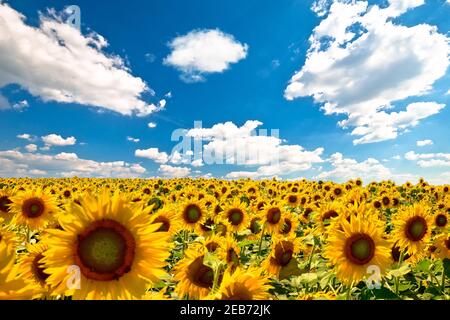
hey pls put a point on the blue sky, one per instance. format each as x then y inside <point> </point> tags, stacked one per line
<point>54,93</point>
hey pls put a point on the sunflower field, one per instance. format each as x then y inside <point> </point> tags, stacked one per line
<point>215,239</point>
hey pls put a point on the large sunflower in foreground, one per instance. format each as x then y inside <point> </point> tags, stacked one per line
<point>355,246</point>
<point>412,230</point>
<point>243,284</point>
<point>34,208</point>
<point>112,244</point>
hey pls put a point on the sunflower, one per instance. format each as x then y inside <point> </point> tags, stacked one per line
<point>441,220</point>
<point>326,213</point>
<point>5,203</point>
<point>288,224</point>
<point>34,208</point>
<point>11,286</point>
<point>355,246</point>
<point>236,215</point>
<point>292,199</point>
<point>232,252</point>
<point>168,218</point>
<point>254,227</point>
<point>195,279</point>
<point>112,244</point>
<point>282,252</point>
<point>271,215</point>
<point>412,230</point>
<point>442,246</point>
<point>31,269</point>
<point>192,213</point>
<point>243,284</point>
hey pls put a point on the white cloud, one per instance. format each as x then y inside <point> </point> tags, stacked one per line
<point>152,125</point>
<point>448,92</point>
<point>320,7</point>
<point>428,160</point>
<point>423,143</point>
<point>376,61</point>
<point>230,144</point>
<point>383,126</point>
<point>21,105</point>
<point>369,170</point>
<point>204,51</point>
<point>131,139</point>
<point>79,71</point>
<point>31,147</point>
<point>174,172</point>
<point>26,136</point>
<point>16,164</point>
<point>57,140</point>
<point>37,172</point>
<point>197,163</point>
<point>152,154</point>
<point>397,157</point>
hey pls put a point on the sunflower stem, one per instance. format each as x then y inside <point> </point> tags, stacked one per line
<point>397,280</point>
<point>261,239</point>
<point>216,278</point>
<point>311,256</point>
<point>29,235</point>
<point>185,240</point>
<point>349,292</point>
<point>443,280</point>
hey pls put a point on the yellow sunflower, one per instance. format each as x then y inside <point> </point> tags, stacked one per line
<point>412,230</point>
<point>242,284</point>
<point>195,279</point>
<point>271,215</point>
<point>5,203</point>
<point>111,248</point>
<point>442,246</point>
<point>236,215</point>
<point>168,218</point>
<point>11,286</point>
<point>355,246</point>
<point>282,252</point>
<point>192,213</point>
<point>31,269</point>
<point>34,208</point>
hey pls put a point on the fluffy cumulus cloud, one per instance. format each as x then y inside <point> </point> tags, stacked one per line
<point>227,143</point>
<point>26,136</point>
<point>382,126</point>
<point>360,63</point>
<point>344,169</point>
<point>57,140</point>
<point>31,147</point>
<point>428,160</point>
<point>423,143</point>
<point>152,125</point>
<point>152,154</point>
<point>79,70</point>
<point>17,164</point>
<point>204,51</point>
<point>174,172</point>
